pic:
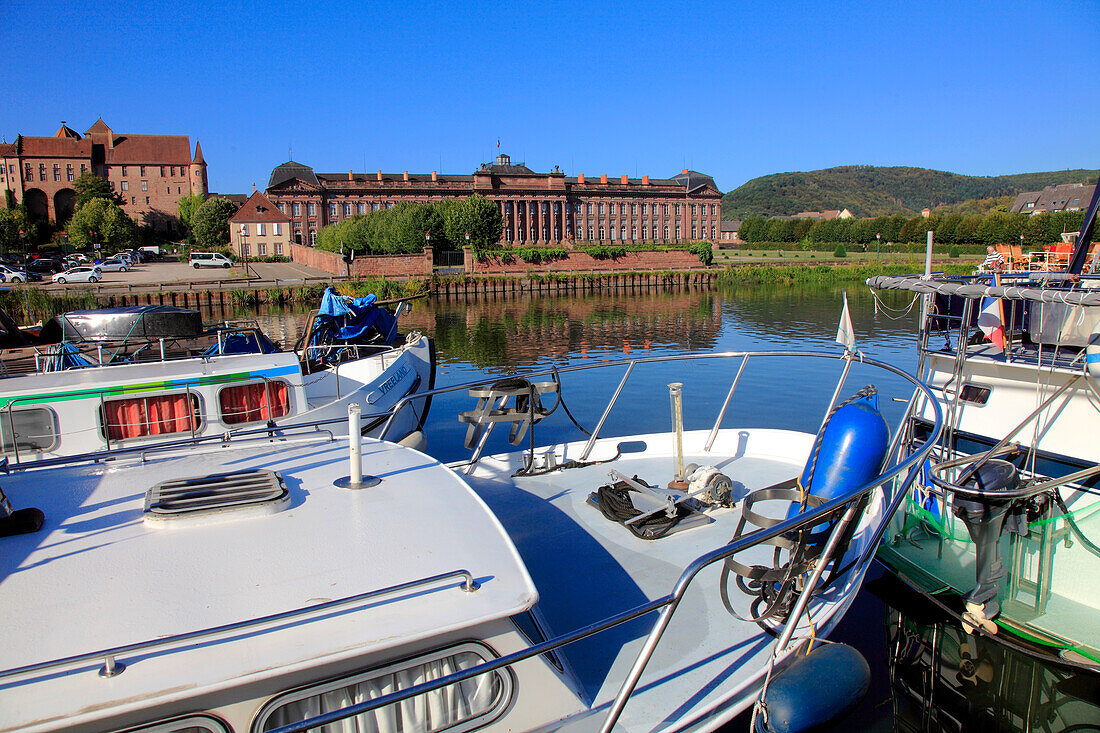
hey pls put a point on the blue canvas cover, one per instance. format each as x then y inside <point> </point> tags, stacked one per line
<point>65,356</point>
<point>245,342</point>
<point>352,320</point>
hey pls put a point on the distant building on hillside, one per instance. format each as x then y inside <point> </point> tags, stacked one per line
<point>825,215</point>
<point>536,207</point>
<point>150,172</point>
<point>1064,197</point>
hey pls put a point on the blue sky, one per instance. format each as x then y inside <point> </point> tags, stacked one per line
<point>735,89</point>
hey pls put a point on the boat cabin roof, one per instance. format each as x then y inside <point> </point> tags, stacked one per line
<point>101,573</point>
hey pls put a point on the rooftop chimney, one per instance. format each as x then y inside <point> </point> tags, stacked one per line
<point>351,177</point>
<point>405,176</point>
<point>624,179</point>
<point>645,180</point>
<point>603,178</point>
<point>379,176</point>
<point>434,177</point>
<point>580,178</point>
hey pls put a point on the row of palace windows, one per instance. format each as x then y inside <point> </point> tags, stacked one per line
<point>350,209</point>
<point>145,187</point>
<point>612,233</point>
<point>261,249</point>
<point>28,171</point>
<point>169,169</point>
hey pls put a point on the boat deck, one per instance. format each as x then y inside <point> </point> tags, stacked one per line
<point>98,576</point>
<point>707,659</point>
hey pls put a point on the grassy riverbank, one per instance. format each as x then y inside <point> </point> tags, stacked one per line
<point>825,274</point>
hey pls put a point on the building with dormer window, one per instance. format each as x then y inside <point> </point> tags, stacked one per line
<point>537,208</point>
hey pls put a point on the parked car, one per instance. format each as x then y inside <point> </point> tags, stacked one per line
<point>114,264</point>
<point>13,275</point>
<point>45,266</point>
<point>82,274</point>
<point>209,259</point>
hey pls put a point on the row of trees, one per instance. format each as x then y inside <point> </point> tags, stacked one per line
<point>995,228</point>
<point>402,229</point>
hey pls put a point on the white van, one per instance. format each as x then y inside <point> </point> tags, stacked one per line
<point>209,259</point>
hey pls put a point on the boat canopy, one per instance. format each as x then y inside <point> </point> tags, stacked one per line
<point>137,323</point>
<point>968,289</point>
<point>345,319</point>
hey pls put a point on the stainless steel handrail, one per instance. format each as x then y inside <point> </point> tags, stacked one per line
<point>469,585</point>
<point>679,590</point>
<point>669,603</point>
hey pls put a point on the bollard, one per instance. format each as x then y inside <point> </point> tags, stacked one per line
<point>675,394</point>
<point>356,479</point>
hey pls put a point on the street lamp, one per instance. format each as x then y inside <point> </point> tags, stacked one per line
<point>878,240</point>
<point>467,239</point>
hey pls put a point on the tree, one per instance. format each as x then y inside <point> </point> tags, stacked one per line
<point>12,221</point>
<point>89,186</point>
<point>210,223</point>
<point>188,205</point>
<point>102,221</point>
<point>475,215</point>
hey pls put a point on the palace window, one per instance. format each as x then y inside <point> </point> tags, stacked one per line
<point>677,209</point>
<point>712,232</point>
<point>693,233</point>
<point>693,210</point>
<point>589,208</point>
<point>622,233</point>
<point>589,233</point>
<point>712,209</point>
<point>612,233</point>
<point>361,207</point>
<point>601,214</point>
<point>622,209</point>
<point>332,209</point>
<point>347,209</point>
<point>125,185</point>
<point>312,237</point>
<point>666,233</point>
<point>311,209</point>
<point>677,233</point>
<point>634,208</point>
<point>633,232</point>
<point>507,207</point>
<point>655,233</point>
<point>601,234</point>
<point>666,213</point>
<point>296,208</point>
<point>643,233</point>
<point>534,234</point>
<point>145,185</point>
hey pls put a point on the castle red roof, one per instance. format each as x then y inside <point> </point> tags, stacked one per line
<point>149,149</point>
<point>53,147</point>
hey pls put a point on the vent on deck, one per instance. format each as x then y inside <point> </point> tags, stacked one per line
<point>216,496</point>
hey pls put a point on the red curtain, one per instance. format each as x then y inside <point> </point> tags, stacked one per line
<point>157,415</point>
<point>254,402</point>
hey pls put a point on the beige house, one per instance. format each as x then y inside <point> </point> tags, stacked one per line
<point>259,229</point>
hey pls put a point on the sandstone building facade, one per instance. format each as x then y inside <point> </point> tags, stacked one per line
<point>537,208</point>
<point>150,172</point>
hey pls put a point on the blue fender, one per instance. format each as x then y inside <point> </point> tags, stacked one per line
<point>815,689</point>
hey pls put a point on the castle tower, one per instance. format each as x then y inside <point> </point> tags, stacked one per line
<point>198,172</point>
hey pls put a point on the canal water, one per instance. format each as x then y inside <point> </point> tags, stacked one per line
<point>926,675</point>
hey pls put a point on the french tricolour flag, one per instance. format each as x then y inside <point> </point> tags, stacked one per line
<point>991,319</point>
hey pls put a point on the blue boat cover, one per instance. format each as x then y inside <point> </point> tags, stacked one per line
<point>351,319</point>
<point>245,342</point>
<point>65,356</point>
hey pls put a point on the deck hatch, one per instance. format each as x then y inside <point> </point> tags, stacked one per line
<point>235,493</point>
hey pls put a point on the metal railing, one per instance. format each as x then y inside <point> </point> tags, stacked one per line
<point>668,604</point>
<point>113,666</point>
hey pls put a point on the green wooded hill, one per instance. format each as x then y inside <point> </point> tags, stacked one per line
<point>871,191</point>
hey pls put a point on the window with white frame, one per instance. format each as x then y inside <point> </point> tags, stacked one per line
<point>260,230</point>
<point>276,229</point>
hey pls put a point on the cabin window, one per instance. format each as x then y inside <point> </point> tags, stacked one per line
<point>189,724</point>
<point>974,394</point>
<point>30,429</point>
<point>154,415</point>
<point>254,402</point>
<point>464,706</point>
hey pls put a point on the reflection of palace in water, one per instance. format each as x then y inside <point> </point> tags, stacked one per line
<point>524,330</point>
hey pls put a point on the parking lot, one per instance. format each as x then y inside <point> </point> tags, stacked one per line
<point>176,275</point>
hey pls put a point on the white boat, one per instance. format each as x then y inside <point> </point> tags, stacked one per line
<point>125,385</point>
<point>301,581</point>
<point>1004,528</point>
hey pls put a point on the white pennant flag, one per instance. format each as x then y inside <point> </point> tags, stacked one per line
<point>845,334</point>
